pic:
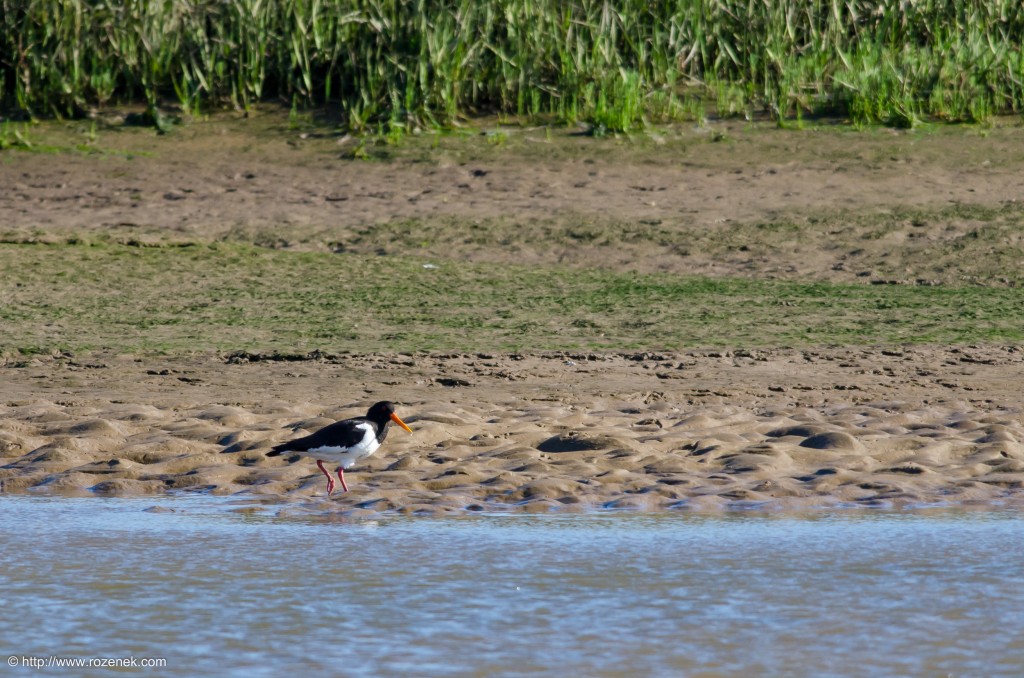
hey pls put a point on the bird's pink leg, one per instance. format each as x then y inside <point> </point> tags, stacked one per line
<point>330,480</point>
<point>341,477</point>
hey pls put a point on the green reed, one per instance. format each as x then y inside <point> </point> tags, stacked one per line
<point>432,62</point>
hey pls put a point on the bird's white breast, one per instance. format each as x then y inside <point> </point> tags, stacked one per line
<point>347,456</point>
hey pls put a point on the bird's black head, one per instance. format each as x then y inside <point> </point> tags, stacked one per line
<point>381,411</point>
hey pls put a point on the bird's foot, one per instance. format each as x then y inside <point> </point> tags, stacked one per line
<point>330,480</point>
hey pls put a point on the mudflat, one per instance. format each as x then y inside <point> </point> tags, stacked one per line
<point>528,404</point>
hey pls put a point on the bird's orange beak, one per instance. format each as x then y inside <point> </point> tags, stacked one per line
<point>394,418</point>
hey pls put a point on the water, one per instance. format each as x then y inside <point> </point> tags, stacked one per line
<point>213,592</point>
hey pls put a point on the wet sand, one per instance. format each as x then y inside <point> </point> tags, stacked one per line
<point>706,431</point>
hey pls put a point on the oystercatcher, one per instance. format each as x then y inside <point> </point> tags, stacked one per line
<point>344,442</point>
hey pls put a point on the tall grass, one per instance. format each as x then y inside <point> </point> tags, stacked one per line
<point>416,62</point>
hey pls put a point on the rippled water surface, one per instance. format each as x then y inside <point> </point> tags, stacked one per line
<point>220,593</point>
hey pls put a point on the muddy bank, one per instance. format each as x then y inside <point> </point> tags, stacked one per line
<point>929,206</point>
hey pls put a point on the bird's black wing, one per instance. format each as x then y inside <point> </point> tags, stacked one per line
<point>345,433</point>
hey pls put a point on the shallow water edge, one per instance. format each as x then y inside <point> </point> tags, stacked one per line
<point>215,591</point>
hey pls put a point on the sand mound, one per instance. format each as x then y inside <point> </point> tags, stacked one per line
<point>832,440</point>
<point>579,441</point>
